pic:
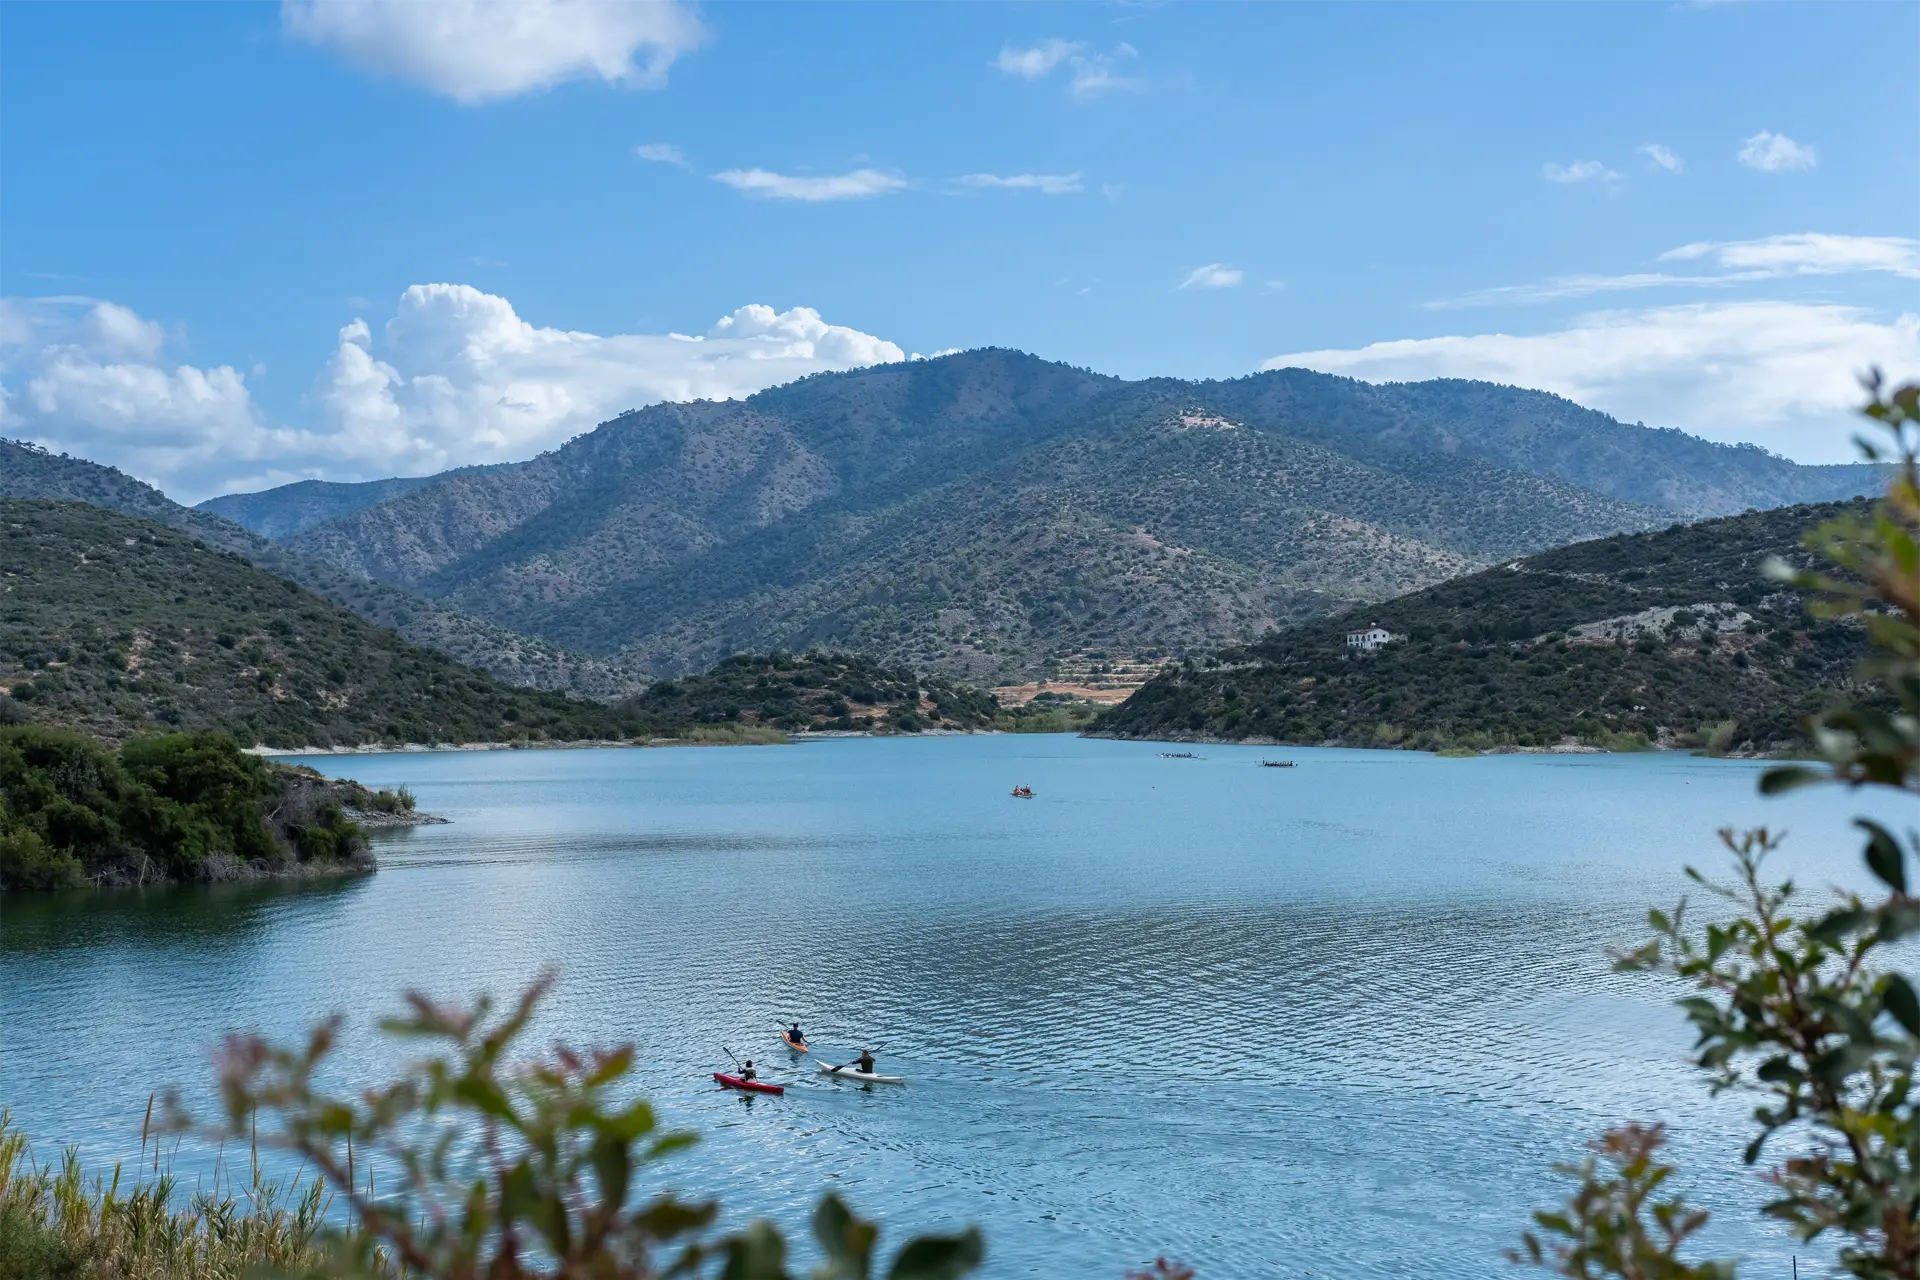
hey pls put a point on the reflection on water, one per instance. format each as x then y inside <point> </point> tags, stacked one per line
<point>1334,1022</point>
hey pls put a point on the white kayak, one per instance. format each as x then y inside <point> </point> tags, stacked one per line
<point>848,1073</point>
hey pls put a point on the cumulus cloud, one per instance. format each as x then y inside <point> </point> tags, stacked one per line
<point>1052,184</point>
<point>1215,275</point>
<point>476,51</point>
<point>1776,153</point>
<point>455,377</point>
<point>661,153</point>
<point>1662,156</point>
<point>1809,253</point>
<point>1578,171</point>
<point>1784,374</point>
<point>764,184</point>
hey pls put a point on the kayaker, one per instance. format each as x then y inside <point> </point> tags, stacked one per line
<point>866,1062</point>
<point>746,1072</point>
<point>796,1035</point>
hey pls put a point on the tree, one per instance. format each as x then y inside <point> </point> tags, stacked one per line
<point>1801,1008</point>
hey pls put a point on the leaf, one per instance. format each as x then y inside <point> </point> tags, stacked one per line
<point>667,1217</point>
<point>758,1253</point>
<point>1788,778</point>
<point>939,1257</point>
<point>1883,855</point>
<point>1899,1000</point>
<point>846,1239</point>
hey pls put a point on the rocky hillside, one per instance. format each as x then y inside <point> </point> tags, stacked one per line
<point>27,472</point>
<point>990,514</point>
<point>1668,638</point>
<point>116,624</point>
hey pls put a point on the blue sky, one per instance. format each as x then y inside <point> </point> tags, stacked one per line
<point>224,228</point>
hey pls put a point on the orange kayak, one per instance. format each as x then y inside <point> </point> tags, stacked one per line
<point>798,1046</point>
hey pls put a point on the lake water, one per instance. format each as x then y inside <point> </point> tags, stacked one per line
<point>1333,1021</point>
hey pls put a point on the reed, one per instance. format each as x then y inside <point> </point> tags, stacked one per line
<point>57,1220</point>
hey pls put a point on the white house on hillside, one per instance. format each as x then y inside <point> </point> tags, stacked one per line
<point>1367,641</point>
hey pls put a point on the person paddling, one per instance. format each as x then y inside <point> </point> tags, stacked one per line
<point>866,1062</point>
<point>796,1036</point>
<point>747,1072</point>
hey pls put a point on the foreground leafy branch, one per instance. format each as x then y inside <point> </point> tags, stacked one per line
<point>505,1168</point>
<point>1805,1011</point>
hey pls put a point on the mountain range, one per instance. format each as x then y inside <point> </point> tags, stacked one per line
<point>989,514</point>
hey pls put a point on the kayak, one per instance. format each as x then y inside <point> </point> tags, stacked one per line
<point>848,1073</point>
<point>751,1086</point>
<point>799,1047</point>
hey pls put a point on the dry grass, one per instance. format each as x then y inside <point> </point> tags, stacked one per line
<point>56,1221</point>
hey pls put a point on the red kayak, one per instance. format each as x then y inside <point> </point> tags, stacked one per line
<point>751,1086</point>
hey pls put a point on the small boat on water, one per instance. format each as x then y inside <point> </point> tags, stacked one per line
<point>1023,793</point>
<point>746,1085</point>
<point>848,1073</point>
<point>1178,755</point>
<point>1276,764</point>
<point>798,1046</point>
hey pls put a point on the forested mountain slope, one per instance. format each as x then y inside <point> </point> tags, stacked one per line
<point>115,624</point>
<point>989,512</point>
<point>1669,637</point>
<point>27,472</point>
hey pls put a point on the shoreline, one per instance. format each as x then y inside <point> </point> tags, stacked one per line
<point>590,744</point>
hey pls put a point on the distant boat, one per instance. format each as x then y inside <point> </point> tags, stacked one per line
<point>1023,793</point>
<point>1276,764</point>
<point>1178,755</point>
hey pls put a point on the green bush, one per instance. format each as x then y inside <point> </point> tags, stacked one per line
<point>71,810</point>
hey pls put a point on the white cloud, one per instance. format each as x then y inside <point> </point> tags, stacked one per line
<point>1035,62</point>
<point>1783,374</point>
<point>455,377</point>
<point>1052,184</point>
<point>661,153</point>
<point>1809,253</point>
<point>1662,156</point>
<point>1775,152</point>
<point>1093,73</point>
<point>1215,275</point>
<point>1578,171</point>
<point>478,50</point>
<point>764,184</point>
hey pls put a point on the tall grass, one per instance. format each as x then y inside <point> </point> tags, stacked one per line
<point>56,1221</point>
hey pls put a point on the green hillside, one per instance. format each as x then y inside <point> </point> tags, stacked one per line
<point>1669,638</point>
<point>30,472</point>
<point>114,624</point>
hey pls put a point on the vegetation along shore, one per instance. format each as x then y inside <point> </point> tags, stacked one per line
<point>175,807</point>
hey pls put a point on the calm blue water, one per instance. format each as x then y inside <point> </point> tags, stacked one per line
<point>1335,1021</point>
